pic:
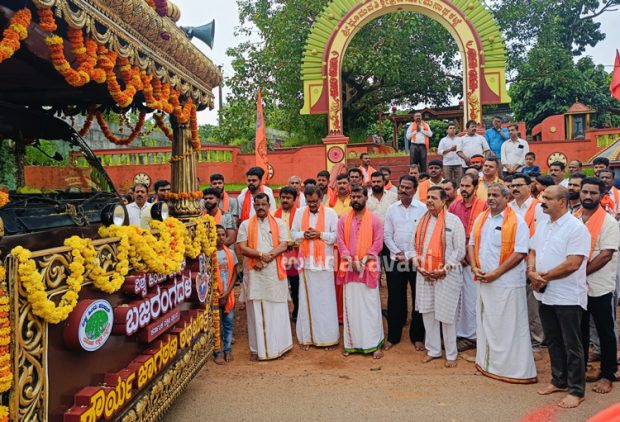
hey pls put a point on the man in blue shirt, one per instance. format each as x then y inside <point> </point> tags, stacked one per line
<point>496,135</point>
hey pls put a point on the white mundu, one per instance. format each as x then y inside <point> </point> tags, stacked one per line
<point>504,349</point>
<point>438,301</point>
<point>317,318</point>
<point>269,327</point>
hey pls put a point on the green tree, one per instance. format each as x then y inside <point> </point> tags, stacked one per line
<point>570,22</point>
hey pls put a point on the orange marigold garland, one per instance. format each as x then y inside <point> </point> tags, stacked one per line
<point>193,123</point>
<point>113,138</point>
<point>46,19</point>
<point>184,195</point>
<point>87,123</point>
<point>15,33</point>
<point>159,121</point>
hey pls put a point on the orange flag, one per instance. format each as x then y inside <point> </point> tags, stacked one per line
<point>615,79</point>
<point>261,138</point>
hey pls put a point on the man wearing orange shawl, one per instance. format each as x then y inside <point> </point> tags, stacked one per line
<point>601,281</point>
<point>211,197</point>
<point>439,248</point>
<point>286,212</point>
<point>254,178</point>
<point>322,181</point>
<point>227,262</point>
<point>262,239</point>
<point>497,248</point>
<point>366,169</point>
<point>227,203</point>
<point>360,240</point>
<point>315,228</point>
<point>611,198</point>
<point>467,208</point>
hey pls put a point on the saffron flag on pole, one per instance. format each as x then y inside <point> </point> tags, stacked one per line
<point>615,79</point>
<point>261,138</point>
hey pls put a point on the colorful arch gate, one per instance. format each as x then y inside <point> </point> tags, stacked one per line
<point>468,21</point>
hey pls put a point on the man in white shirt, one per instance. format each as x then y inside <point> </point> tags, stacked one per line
<point>400,224</point>
<point>420,133</point>
<point>295,183</point>
<point>140,211</point>
<point>452,163</point>
<point>529,209</point>
<point>513,151</point>
<point>254,178</point>
<point>556,171</point>
<point>601,280</point>
<point>471,144</point>
<point>380,199</point>
<point>557,271</point>
<point>497,248</point>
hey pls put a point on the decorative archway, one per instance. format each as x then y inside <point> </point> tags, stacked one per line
<point>468,21</point>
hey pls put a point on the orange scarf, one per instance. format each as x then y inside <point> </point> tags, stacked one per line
<point>217,217</point>
<point>319,244</point>
<point>247,203</point>
<point>611,204</point>
<point>509,234</point>
<point>225,202</point>
<point>367,173</point>
<point>275,240</point>
<point>279,211</point>
<point>230,262</point>
<point>594,225</point>
<point>414,128</point>
<point>477,207</point>
<point>423,190</point>
<point>388,185</point>
<point>529,216</point>
<point>364,242</point>
<point>436,252</point>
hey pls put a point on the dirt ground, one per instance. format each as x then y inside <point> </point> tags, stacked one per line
<point>320,384</point>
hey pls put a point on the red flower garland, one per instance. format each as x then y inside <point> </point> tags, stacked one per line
<point>113,138</point>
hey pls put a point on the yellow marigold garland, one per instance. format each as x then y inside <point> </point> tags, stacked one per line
<point>159,120</point>
<point>32,280</point>
<point>6,374</point>
<point>103,282</point>
<point>4,198</point>
<point>15,33</point>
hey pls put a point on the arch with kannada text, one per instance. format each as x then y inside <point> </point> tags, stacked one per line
<point>469,22</point>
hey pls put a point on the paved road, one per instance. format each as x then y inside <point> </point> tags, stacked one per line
<point>325,385</point>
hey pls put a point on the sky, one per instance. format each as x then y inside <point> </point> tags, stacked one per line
<point>196,13</point>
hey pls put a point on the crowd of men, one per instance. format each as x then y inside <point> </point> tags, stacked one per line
<point>498,256</point>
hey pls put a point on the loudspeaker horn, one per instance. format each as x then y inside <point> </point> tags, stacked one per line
<point>204,33</point>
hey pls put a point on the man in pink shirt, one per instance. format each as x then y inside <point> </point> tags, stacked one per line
<point>360,240</point>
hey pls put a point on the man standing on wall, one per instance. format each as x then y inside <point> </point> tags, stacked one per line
<point>366,169</point>
<point>452,163</point>
<point>496,135</point>
<point>471,144</point>
<point>420,133</point>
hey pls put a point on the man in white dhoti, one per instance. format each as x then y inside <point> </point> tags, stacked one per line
<point>262,239</point>
<point>439,245</point>
<point>360,240</point>
<point>315,227</point>
<point>497,248</point>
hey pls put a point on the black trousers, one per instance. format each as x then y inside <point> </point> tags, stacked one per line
<point>293,282</point>
<point>398,277</point>
<point>417,155</point>
<point>562,328</point>
<point>602,310</point>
